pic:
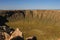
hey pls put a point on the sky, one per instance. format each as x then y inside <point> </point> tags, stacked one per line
<point>29,4</point>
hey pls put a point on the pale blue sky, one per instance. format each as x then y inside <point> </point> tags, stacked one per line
<point>29,4</point>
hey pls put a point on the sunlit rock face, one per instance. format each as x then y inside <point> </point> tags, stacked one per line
<point>17,34</point>
<point>7,36</point>
<point>30,14</point>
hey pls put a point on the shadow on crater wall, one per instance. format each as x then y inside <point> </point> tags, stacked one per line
<point>3,19</point>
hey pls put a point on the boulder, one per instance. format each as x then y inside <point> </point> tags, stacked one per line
<point>16,33</point>
<point>7,36</point>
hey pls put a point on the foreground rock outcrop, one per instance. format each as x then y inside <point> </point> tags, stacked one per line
<point>17,34</point>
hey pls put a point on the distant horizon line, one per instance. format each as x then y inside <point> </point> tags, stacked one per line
<point>29,9</point>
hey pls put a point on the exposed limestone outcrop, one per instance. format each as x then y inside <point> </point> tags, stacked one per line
<point>7,36</point>
<point>17,32</point>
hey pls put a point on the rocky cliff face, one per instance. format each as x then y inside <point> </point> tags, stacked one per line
<point>22,14</point>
